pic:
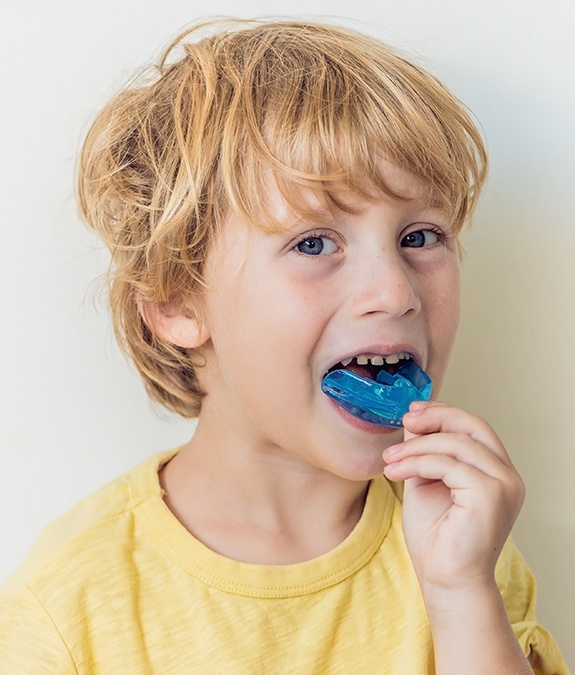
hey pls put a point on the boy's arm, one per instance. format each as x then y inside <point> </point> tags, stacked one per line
<point>461,498</point>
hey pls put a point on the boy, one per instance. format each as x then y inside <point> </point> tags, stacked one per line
<point>283,200</point>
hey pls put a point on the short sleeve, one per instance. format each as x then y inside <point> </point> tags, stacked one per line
<point>29,641</point>
<point>518,588</point>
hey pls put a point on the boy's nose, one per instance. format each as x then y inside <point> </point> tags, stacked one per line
<point>387,285</point>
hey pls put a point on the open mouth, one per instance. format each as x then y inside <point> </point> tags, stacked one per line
<point>377,389</point>
<point>369,366</point>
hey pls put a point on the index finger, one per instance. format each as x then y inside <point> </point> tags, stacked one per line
<point>434,417</point>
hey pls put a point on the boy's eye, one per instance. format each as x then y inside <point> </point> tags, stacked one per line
<point>420,238</point>
<point>317,246</point>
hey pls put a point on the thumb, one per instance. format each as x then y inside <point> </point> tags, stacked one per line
<point>414,407</point>
<point>408,434</point>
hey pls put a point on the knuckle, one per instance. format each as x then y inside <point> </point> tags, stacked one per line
<point>513,491</point>
<point>521,489</point>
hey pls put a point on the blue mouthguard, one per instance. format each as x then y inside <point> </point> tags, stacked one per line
<point>382,401</point>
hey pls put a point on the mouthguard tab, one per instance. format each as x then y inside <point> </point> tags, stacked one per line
<point>382,401</point>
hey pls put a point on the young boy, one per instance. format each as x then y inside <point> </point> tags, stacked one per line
<point>281,200</point>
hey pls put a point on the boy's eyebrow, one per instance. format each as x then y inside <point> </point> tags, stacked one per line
<point>311,217</point>
<point>434,210</point>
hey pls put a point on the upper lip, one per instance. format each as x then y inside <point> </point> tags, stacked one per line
<point>381,350</point>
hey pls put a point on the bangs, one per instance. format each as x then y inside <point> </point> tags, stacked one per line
<point>320,115</point>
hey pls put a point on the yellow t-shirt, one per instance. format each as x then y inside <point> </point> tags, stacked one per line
<point>118,586</point>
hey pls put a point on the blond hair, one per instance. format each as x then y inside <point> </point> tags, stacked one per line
<point>316,105</point>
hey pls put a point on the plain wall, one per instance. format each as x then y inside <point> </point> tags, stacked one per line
<point>74,414</point>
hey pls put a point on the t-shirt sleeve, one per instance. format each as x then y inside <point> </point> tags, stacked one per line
<point>29,640</point>
<point>518,588</point>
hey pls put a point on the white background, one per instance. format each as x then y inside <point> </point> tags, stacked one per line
<point>74,414</point>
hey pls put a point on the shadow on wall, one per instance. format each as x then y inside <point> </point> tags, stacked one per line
<point>514,365</point>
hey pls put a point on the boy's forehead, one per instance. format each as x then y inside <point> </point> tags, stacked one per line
<point>285,205</point>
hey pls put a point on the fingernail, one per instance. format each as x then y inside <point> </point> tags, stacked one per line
<point>417,407</point>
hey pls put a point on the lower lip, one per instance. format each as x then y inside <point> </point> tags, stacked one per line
<point>360,424</point>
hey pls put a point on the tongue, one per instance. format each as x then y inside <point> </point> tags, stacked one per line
<point>363,371</point>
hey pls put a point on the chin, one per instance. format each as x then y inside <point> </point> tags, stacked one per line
<point>361,469</point>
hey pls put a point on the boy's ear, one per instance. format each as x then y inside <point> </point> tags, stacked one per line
<point>175,322</point>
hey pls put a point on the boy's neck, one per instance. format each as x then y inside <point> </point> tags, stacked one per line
<point>254,509</point>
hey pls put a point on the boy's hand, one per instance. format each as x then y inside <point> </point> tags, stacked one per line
<point>462,496</point>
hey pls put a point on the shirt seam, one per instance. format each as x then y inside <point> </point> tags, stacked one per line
<point>226,584</point>
<point>57,630</point>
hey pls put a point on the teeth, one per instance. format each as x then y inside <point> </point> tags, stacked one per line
<point>363,360</point>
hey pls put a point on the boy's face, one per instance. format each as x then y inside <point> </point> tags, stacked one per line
<point>282,308</point>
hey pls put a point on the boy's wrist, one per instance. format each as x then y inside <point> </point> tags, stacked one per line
<point>450,604</point>
<point>471,630</point>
